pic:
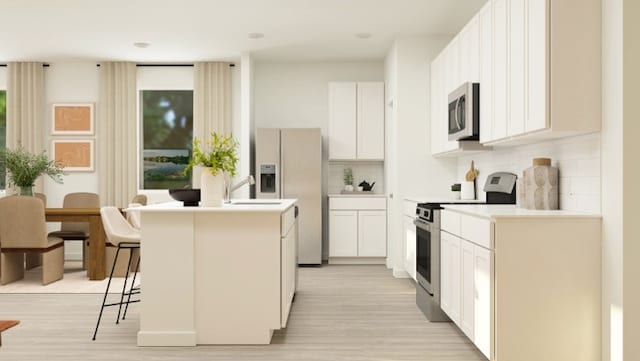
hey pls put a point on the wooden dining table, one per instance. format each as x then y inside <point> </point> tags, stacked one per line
<point>96,267</point>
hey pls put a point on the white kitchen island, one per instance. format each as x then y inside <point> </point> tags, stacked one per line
<point>216,275</point>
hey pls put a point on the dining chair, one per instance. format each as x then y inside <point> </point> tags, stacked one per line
<point>140,199</point>
<point>77,231</point>
<point>123,236</point>
<point>23,230</point>
<point>34,260</point>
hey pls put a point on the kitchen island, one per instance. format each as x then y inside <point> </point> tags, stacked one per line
<point>222,275</point>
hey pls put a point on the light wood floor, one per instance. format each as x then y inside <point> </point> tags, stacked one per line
<point>340,313</point>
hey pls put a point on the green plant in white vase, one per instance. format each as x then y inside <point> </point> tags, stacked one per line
<point>348,179</point>
<point>219,159</point>
<point>25,167</point>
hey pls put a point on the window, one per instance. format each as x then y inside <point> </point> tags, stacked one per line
<point>167,135</point>
<point>3,135</point>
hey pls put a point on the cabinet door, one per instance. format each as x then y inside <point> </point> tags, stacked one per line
<point>437,119</point>
<point>372,233</point>
<point>451,286</point>
<point>467,289</point>
<point>342,120</point>
<point>486,73</point>
<point>516,93</point>
<point>409,246</point>
<point>343,233</point>
<point>537,65</point>
<point>483,308</point>
<point>445,272</point>
<point>500,69</point>
<point>288,273</point>
<point>370,125</point>
<point>470,52</point>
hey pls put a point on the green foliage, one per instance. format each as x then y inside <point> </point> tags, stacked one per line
<point>348,176</point>
<point>24,167</point>
<point>167,118</point>
<point>220,157</point>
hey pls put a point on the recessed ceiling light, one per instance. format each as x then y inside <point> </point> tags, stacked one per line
<point>141,45</point>
<point>256,35</point>
<point>363,35</point>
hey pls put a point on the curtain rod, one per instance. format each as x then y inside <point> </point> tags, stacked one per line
<point>5,65</point>
<point>170,65</point>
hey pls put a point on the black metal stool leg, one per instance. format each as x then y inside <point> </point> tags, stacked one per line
<point>124,287</point>
<point>104,300</point>
<point>133,283</point>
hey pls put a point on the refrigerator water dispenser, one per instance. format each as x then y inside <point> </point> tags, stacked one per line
<point>267,178</point>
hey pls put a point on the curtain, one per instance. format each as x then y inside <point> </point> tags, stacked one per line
<point>25,109</point>
<point>116,132</point>
<point>212,99</point>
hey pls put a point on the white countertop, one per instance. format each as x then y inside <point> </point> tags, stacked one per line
<point>260,205</point>
<point>495,211</point>
<point>440,199</point>
<point>358,195</point>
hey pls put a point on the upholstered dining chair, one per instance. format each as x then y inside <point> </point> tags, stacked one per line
<point>23,230</point>
<point>123,236</point>
<point>77,231</point>
<point>140,199</point>
<point>34,260</point>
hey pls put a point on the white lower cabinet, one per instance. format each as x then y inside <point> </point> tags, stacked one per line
<point>372,233</point>
<point>357,230</point>
<point>465,291</point>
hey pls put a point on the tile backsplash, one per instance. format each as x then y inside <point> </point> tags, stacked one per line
<point>368,171</point>
<point>577,159</point>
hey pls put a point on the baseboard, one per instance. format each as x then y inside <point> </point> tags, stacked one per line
<point>357,260</point>
<point>400,273</point>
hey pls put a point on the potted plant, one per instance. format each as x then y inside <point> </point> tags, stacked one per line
<point>218,159</point>
<point>25,167</point>
<point>348,179</point>
<point>455,190</point>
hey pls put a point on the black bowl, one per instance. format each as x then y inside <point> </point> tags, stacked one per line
<point>188,197</point>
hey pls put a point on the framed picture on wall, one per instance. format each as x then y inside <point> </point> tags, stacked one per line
<point>76,155</point>
<point>72,119</point>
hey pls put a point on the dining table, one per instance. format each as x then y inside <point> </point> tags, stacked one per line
<point>97,239</point>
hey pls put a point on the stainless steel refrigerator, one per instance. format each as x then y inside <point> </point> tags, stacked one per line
<point>289,165</point>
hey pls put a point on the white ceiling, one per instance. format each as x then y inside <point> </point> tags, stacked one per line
<point>191,30</point>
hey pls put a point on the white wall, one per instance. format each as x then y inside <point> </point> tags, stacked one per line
<point>3,77</point>
<point>69,83</point>
<point>411,170</point>
<point>295,95</point>
<point>577,158</point>
<point>612,181</point>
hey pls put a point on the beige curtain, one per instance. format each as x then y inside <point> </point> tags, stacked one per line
<point>212,99</point>
<point>116,132</point>
<point>25,109</point>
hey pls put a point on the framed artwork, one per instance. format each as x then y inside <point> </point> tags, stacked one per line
<point>72,119</point>
<point>76,155</point>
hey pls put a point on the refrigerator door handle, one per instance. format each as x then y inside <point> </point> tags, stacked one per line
<point>281,171</point>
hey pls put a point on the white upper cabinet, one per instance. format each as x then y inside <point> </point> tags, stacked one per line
<point>539,74</point>
<point>356,120</point>
<point>342,120</point>
<point>370,115</point>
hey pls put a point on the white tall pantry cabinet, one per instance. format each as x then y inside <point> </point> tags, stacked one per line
<point>356,121</point>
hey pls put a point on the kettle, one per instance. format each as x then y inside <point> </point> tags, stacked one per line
<point>366,186</point>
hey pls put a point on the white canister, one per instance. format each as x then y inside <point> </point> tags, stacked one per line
<point>468,190</point>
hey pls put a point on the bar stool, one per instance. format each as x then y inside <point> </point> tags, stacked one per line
<point>122,235</point>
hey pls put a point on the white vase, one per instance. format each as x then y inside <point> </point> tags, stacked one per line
<point>211,188</point>
<point>468,190</point>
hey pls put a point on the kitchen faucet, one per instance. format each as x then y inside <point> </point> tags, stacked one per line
<point>229,189</point>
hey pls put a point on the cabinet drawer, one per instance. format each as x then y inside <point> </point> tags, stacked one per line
<point>409,208</point>
<point>476,230</point>
<point>450,222</point>
<point>358,203</point>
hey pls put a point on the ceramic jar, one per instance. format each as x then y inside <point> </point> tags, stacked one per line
<point>540,183</point>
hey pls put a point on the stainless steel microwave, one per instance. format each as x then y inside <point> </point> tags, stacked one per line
<point>464,112</point>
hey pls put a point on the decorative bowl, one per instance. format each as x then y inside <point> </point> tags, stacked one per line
<point>188,197</point>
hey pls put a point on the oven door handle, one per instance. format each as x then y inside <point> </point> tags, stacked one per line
<point>456,115</point>
<point>422,224</point>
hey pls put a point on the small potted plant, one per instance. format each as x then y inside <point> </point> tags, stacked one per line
<point>219,159</point>
<point>25,167</point>
<point>455,190</point>
<point>348,180</point>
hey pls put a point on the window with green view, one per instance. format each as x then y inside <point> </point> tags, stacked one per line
<point>3,135</point>
<point>167,137</point>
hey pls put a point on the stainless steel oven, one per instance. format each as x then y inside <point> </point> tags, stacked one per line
<point>464,112</point>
